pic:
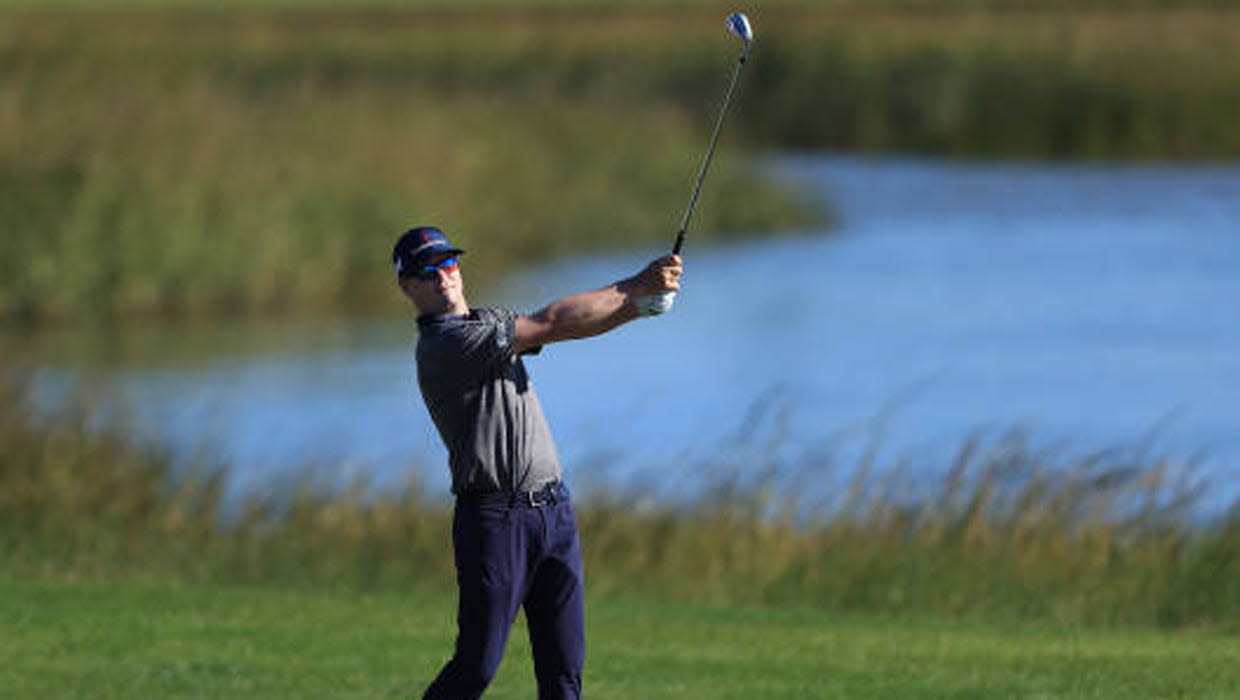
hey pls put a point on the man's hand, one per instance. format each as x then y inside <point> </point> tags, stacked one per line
<point>655,287</point>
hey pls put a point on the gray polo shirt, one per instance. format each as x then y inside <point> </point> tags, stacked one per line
<point>483,403</point>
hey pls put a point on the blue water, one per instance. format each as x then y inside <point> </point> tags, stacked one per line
<point>1091,306</point>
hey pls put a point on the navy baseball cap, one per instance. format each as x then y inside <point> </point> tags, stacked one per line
<point>417,246</point>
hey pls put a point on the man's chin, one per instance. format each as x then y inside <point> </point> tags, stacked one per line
<point>447,305</point>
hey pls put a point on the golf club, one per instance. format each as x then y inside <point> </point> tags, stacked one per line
<point>738,24</point>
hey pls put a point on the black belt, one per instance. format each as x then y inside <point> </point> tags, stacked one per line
<point>550,494</point>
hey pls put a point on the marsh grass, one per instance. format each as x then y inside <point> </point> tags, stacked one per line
<point>207,201</point>
<point>154,165</point>
<point>1008,530</point>
<point>259,160</point>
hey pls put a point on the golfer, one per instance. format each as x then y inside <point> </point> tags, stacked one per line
<point>514,531</point>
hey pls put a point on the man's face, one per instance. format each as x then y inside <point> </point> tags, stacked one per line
<point>436,286</point>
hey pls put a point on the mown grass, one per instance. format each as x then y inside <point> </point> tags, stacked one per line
<point>1011,532</point>
<point>65,639</point>
<point>261,160</point>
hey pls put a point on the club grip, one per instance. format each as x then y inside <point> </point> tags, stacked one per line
<point>680,242</point>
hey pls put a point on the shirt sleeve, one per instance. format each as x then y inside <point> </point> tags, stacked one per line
<point>507,319</point>
<point>488,338</point>
<point>473,346</point>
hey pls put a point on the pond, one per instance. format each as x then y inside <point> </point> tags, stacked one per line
<point>1090,306</point>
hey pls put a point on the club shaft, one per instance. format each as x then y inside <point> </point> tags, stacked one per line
<point>710,154</point>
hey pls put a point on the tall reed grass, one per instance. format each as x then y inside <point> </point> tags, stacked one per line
<point>261,160</point>
<point>1009,530</point>
<point>150,165</point>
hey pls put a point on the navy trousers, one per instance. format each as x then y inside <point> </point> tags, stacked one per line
<point>516,552</point>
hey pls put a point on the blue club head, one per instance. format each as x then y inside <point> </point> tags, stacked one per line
<point>738,24</point>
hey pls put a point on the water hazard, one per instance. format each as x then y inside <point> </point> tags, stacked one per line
<point>1091,306</point>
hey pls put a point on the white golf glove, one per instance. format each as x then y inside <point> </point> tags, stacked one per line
<point>655,304</point>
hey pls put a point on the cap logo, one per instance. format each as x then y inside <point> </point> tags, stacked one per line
<point>423,247</point>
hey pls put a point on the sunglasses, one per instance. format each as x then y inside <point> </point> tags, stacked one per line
<point>431,271</point>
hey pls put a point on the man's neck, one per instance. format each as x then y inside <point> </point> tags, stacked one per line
<point>444,316</point>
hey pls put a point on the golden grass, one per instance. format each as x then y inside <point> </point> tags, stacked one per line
<point>1008,530</point>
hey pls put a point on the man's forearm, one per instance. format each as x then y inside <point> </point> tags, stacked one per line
<point>578,316</point>
<point>591,313</point>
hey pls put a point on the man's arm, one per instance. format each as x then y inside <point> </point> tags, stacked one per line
<point>592,313</point>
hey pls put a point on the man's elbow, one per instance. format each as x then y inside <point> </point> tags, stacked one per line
<point>533,331</point>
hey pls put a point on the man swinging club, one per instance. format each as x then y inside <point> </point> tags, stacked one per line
<point>513,531</point>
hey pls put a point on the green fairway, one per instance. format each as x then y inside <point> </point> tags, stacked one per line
<point>113,640</point>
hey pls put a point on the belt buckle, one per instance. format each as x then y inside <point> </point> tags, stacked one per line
<point>532,498</point>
